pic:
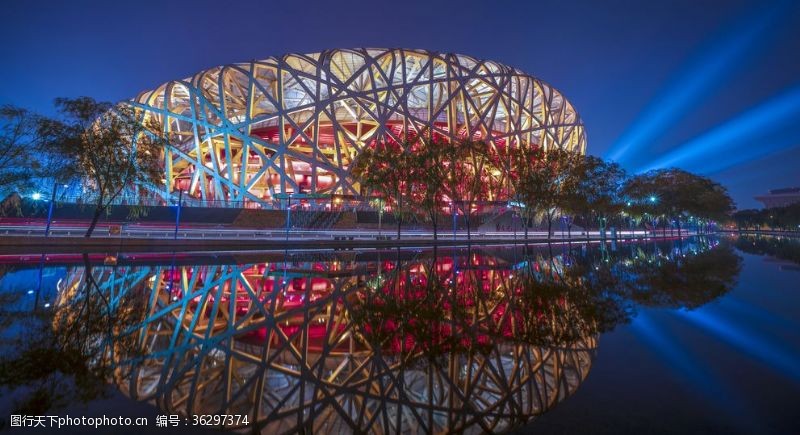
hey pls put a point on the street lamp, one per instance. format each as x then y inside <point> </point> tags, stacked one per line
<point>288,214</point>
<point>50,208</point>
<point>380,216</point>
<point>178,214</point>
<point>453,212</point>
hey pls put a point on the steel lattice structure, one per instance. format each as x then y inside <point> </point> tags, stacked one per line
<point>285,345</point>
<point>293,124</point>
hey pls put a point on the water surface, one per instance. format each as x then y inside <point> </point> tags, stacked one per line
<point>695,335</point>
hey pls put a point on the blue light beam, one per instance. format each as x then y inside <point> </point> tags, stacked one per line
<point>741,131</point>
<point>693,84</point>
<point>747,154</point>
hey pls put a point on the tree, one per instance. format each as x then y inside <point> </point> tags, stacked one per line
<point>466,162</point>
<point>20,161</point>
<point>678,195</point>
<point>597,192</point>
<point>382,170</point>
<point>746,219</point>
<point>109,146</point>
<point>522,173</point>
<point>783,218</point>
<point>712,200</point>
<point>642,200</point>
<point>428,174</point>
<point>551,181</point>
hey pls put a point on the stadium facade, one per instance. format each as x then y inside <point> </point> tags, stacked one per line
<point>255,132</point>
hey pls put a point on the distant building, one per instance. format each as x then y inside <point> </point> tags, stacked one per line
<point>780,197</point>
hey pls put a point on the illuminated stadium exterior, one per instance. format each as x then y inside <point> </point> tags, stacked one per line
<point>252,133</point>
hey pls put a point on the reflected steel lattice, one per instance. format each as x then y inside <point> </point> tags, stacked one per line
<point>282,347</point>
<point>293,124</point>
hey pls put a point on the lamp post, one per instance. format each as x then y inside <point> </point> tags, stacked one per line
<point>50,210</point>
<point>178,214</point>
<point>514,224</point>
<point>380,217</point>
<point>602,221</point>
<point>453,212</point>
<point>288,214</point>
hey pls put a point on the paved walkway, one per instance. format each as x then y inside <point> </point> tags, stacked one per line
<point>150,238</point>
<point>166,232</point>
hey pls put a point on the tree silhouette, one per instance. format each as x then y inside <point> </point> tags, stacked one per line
<point>383,170</point>
<point>111,147</point>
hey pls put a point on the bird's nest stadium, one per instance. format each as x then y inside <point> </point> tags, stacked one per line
<point>253,133</point>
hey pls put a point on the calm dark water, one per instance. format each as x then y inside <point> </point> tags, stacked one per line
<point>699,335</point>
<point>729,366</point>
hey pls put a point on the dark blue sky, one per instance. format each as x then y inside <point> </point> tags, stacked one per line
<point>712,86</point>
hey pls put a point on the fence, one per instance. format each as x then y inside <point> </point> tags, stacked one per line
<point>295,202</point>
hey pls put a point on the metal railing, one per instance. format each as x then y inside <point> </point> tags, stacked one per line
<point>167,232</point>
<point>295,202</point>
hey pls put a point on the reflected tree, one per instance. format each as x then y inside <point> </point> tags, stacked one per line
<point>784,248</point>
<point>426,342</point>
<point>66,353</point>
<point>688,278</point>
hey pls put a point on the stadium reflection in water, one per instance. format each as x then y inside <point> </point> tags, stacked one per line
<point>395,341</point>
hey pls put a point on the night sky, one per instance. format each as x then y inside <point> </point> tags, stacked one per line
<point>710,86</point>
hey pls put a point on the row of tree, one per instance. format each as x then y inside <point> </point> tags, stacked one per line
<point>777,218</point>
<point>112,149</point>
<point>429,178</point>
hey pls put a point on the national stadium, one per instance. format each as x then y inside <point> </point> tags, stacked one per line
<point>258,132</point>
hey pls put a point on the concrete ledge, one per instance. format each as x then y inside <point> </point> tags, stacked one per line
<point>39,244</point>
<point>764,232</point>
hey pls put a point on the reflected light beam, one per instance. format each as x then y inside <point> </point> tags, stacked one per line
<point>742,309</point>
<point>743,130</point>
<point>692,85</point>
<point>756,346</point>
<point>675,357</point>
<point>688,367</point>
